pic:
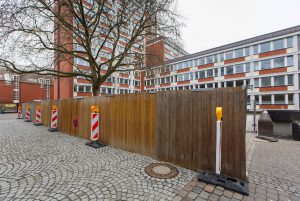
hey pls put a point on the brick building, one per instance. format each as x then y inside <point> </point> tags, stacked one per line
<point>16,89</point>
<point>267,64</point>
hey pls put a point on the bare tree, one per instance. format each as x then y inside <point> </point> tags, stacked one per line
<point>45,34</point>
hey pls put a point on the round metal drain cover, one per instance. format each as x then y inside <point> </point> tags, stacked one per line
<point>161,170</point>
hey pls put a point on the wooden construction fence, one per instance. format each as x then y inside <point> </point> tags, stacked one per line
<point>172,126</point>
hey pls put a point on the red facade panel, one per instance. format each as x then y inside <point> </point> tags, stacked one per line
<point>273,106</point>
<point>278,88</point>
<point>275,70</point>
<point>206,79</point>
<point>272,53</point>
<point>206,66</point>
<point>229,61</point>
<point>238,75</point>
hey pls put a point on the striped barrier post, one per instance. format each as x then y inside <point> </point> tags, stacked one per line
<point>27,114</point>
<point>54,118</point>
<point>38,116</point>
<point>19,112</point>
<point>95,124</point>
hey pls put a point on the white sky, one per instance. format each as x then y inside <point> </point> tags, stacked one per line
<point>211,23</point>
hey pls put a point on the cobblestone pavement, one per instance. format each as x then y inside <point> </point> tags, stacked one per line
<point>38,165</point>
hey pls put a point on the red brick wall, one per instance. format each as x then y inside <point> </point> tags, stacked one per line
<point>6,92</point>
<point>28,92</point>
<point>155,53</point>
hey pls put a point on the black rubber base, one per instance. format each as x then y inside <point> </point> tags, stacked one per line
<point>53,129</point>
<point>37,124</point>
<point>19,118</point>
<point>95,144</point>
<point>229,183</point>
<point>27,121</point>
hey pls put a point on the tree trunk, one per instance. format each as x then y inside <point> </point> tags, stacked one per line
<point>95,89</point>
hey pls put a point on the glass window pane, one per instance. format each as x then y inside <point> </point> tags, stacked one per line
<point>239,53</point>
<point>290,60</point>
<point>266,81</point>
<point>229,70</point>
<point>222,57</point>
<point>256,82</point>
<point>278,62</point>
<point>229,84</point>
<point>229,55</point>
<point>216,72</point>
<point>265,47</point>
<point>279,99</point>
<point>290,42</point>
<point>290,79</point>
<point>239,83</point>
<point>291,98</point>
<point>239,68</point>
<point>266,99</point>
<point>247,51</point>
<point>278,44</point>
<point>266,64</point>
<point>209,73</point>
<point>256,65</point>
<point>279,80</point>
<point>255,49</point>
<point>247,65</point>
<point>209,59</point>
<point>222,71</point>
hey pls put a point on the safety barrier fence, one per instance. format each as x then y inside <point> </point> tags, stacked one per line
<point>172,126</point>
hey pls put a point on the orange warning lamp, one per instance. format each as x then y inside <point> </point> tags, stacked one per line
<point>219,113</point>
<point>54,107</point>
<point>38,107</point>
<point>95,109</point>
<point>27,107</point>
<point>20,107</point>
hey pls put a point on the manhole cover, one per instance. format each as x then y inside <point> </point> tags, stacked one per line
<point>161,170</point>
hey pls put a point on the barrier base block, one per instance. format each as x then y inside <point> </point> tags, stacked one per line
<point>95,144</point>
<point>227,182</point>
<point>37,124</point>
<point>27,121</point>
<point>53,129</point>
<point>19,118</point>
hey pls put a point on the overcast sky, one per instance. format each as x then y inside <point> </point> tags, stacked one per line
<point>211,23</point>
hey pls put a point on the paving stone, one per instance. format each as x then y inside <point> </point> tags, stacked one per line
<point>196,189</point>
<point>192,195</point>
<point>228,194</point>
<point>209,189</point>
<point>204,195</point>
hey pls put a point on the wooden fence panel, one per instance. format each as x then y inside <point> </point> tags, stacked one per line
<point>173,126</point>
<point>186,129</point>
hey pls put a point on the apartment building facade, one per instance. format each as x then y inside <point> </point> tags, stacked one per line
<point>126,79</point>
<point>268,65</point>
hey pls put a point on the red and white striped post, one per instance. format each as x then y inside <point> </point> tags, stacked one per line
<point>218,139</point>
<point>54,118</point>
<point>95,124</point>
<point>19,112</point>
<point>38,116</point>
<point>27,114</point>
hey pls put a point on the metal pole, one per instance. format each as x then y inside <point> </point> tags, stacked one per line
<point>218,147</point>
<point>254,116</point>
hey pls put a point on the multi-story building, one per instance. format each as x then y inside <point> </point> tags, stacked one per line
<point>119,82</point>
<point>267,64</point>
<point>16,89</point>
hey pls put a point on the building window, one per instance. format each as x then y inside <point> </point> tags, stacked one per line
<point>229,84</point>
<point>216,72</point>
<point>222,71</point>
<point>266,64</point>
<point>80,88</point>
<point>239,53</point>
<point>289,42</point>
<point>247,65</point>
<point>256,65</point>
<point>229,70</point>
<point>290,79</point>
<point>256,82</point>
<point>239,68</point>
<point>266,99</point>
<point>291,99</point>
<point>209,59</point>
<point>256,98</point>
<point>279,80</point>
<point>209,73</point>
<point>290,60</point>
<point>210,85</point>
<point>239,83</point>
<point>278,44</point>
<point>279,98</point>
<point>265,47</point>
<point>265,81</point>
<point>229,55</point>
<point>247,51</point>
<point>255,49</point>
<point>278,62</point>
